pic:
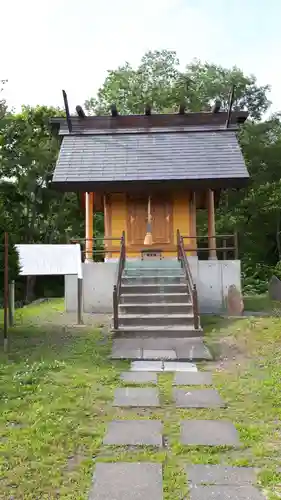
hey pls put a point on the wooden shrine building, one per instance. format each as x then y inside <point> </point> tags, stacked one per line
<point>156,168</point>
<point>150,175</point>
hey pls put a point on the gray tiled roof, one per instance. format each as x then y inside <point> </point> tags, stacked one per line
<point>151,156</point>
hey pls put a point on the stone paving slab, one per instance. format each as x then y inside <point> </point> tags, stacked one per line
<point>127,481</point>
<point>195,351</point>
<point>200,398</point>
<point>220,474</point>
<point>136,396</point>
<point>159,354</point>
<point>134,433</point>
<point>142,348</point>
<point>139,377</point>
<point>160,366</point>
<point>147,366</point>
<point>225,493</point>
<point>209,433</point>
<point>164,342</point>
<point>196,378</point>
<point>179,366</point>
<point>118,353</point>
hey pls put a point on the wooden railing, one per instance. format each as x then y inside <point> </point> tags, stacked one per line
<point>117,286</point>
<point>191,287</point>
<point>225,245</point>
<point>101,247</point>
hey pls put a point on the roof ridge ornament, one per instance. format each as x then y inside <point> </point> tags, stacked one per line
<point>230,104</point>
<point>147,109</point>
<point>80,111</point>
<point>217,106</point>
<point>66,107</point>
<point>114,110</point>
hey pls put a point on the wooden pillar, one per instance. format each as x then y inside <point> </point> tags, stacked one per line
<point>11,303</point>
<point>89,223</point>
<point>211,224</point>
<point>193,224</point>
<point>107,224</point>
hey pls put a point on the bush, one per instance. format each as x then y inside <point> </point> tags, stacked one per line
<point>255,278</point>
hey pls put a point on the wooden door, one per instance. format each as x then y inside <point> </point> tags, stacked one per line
<point>161,226</point>
<point>161,221</point>
<point>137,218</point>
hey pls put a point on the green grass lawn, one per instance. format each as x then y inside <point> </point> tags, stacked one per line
<point>56,390</point>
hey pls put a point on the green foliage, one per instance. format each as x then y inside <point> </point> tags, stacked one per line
<point>28,153</point>
<point>255,281</point>
<point>34,211</point>
<point>13,260</point>
<point>159,81</point>
<point>3,105</point>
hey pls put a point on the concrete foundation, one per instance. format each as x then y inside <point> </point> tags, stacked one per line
<point>212,277</point>
<point>98,281</point>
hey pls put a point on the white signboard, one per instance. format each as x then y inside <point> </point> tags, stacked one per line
<point>36,260</point>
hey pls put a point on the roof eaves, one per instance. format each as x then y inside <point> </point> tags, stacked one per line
<point>163,130</point>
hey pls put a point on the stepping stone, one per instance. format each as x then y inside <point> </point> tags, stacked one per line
<point>200,398</point>
<point>195,378</point>
<point>126,353</point>
<point>127,481</point>
<point>159,354</point>
<point>225,493</point>
<point>160,366</point>
<point>219,474</point>
<point>139,377</point>
<point>135,432</point>
<point>179,366</point>
<point>209,433</point>
<point>136,396</point>
<point>195,350</point>
<point>126,349</point>
<point>186,348</point>
<point>132,343</point>
<point>147,366</point>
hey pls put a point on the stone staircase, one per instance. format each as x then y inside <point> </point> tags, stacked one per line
<point>154,301</point>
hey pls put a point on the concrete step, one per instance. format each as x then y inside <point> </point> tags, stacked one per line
<point>144,264</point>
<point>158,332</point>
<point>156,320</point>
<point>155,308</point>
<point>148,288</point>
<point>151,280</point>
<point>155,298</point>
<point>153,271</point>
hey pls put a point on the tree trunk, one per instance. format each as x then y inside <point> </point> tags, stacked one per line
<point>29,291</point>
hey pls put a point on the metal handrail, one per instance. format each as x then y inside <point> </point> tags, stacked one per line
<point>191,287</point>
<point>117,286</point>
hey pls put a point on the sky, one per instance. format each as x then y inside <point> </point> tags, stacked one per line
<point>49,45</point>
